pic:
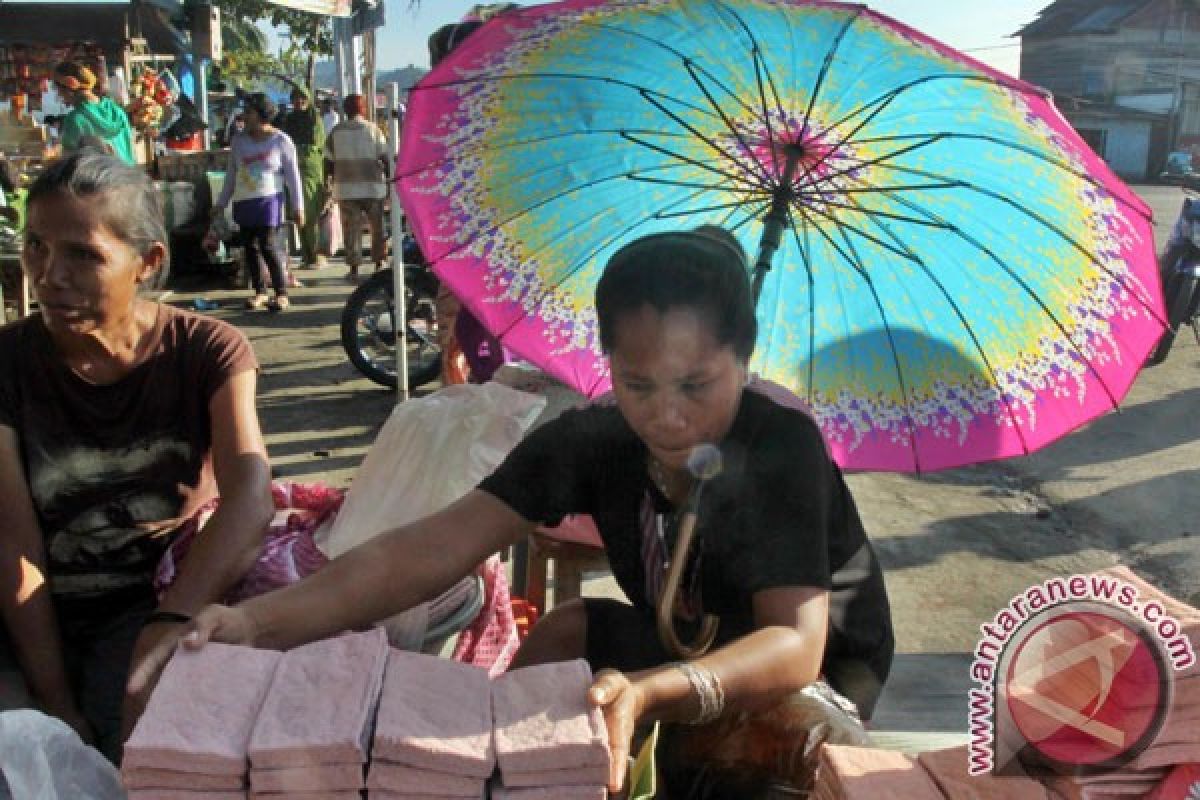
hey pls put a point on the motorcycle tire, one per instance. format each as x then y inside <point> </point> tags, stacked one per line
<point>1178,298</point>
<point>368,328</point>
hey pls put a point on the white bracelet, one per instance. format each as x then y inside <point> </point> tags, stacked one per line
<point>707,687</point>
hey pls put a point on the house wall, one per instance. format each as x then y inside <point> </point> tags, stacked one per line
<point>1126,143</point>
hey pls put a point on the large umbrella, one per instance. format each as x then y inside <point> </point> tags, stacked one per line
<point>956,276</point>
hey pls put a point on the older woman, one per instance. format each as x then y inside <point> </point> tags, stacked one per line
<point>781,558</point>
<point>91,115</point>
<point>119,418</point>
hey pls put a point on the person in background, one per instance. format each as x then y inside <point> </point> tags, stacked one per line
<point>9,210</point>
<point>261,177</point>
<point>120,419</point>
<point>329,114</point>
<point>359,163</point>
<point>303,125</point>
<point>780,557</point>
<point>91,113</point>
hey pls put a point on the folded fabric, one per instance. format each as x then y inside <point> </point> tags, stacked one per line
<point>321,703</point>
<point>314,778</point>
<point>183,794</point>
<point>544,721</point>
<point>200,716</point>
<point>399,778</point>
<point>435,714</point>
<point>148,778</point>
<point>349,794</point>
<point>1179,783</point>
<point>866,773</point>
<point>948,769</point>
<point>551,793</point>
<point>579,776</point>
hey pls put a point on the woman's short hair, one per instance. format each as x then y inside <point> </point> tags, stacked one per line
<point>74,75</point>
<point>704,270</point>
<point>260,104</point>
<point>355,105</point>
<point>133,210</point>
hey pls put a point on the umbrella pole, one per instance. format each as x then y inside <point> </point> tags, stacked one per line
<point>399,292</point>
<point>776,219</point>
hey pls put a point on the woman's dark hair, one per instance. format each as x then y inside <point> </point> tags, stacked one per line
<point>702,269</point>
<point>8,175</point>
<point>260,104</point>
<point>133,211</point>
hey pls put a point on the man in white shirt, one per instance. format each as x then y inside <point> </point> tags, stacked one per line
<point>357,156</point>
<point>329,115</point>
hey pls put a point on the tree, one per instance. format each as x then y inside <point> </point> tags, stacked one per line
<point>309,34</point>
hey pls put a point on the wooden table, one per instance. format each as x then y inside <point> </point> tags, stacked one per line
<point>13,279</point>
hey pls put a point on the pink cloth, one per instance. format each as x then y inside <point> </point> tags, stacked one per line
<point>577,776</point>
<point>552,793</point>
<point>183,794</point>
<point>544,722</point>
<point>289,552</point>
<point>200,716</point>
<point>332,795</point>
<point>491,640</point>
<point>314,778</point>
<point>865,773</point>
<point>399,778</point>
<point>435,714</point>
<point>320,704</point>
<point>174,779</point>
<point>1182,783</point>
<point>948,769</point>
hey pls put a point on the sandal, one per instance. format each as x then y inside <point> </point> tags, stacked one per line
<point>256,302</point>
<point>280,303</point>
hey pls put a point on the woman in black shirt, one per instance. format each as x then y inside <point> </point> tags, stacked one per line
<point>780,555</point>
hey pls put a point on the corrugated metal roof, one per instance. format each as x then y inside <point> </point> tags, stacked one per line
<point>1066,17</point>
<point>102,23</point>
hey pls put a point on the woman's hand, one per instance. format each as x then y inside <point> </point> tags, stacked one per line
<point>622,701</point>
<point>213,623</point>
<point>151,653</point>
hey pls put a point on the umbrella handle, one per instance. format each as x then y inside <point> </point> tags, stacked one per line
<point>666,601</point>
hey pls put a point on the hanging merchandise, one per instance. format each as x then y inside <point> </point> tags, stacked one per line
<point>150,96</point>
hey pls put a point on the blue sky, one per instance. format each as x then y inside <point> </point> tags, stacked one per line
<point>979,26</point>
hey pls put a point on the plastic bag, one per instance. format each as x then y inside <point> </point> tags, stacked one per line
<point>430,452</point>
<point>43,759</point>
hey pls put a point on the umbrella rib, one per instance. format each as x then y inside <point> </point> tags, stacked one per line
<point>753,164</point>
<point>857,266</point>
<point>707,167</point>
<point>1038,218</point>
<point>1031,293</point>
<point>842,225</point>
<point>765,183</point>
<point>856,207</point>
<point>929,273</point>
<point>681,184</point>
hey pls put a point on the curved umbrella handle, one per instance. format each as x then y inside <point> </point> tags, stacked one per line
<point>666,601</point>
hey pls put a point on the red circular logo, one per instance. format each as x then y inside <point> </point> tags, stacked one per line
<point>1087,689</point>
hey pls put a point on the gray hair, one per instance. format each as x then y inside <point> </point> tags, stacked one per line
<point>134,212</point>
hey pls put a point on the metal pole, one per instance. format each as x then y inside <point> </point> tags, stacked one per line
<point>776,219</point>
<point>398,289</point>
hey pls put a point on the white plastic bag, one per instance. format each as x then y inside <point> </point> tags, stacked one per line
<point>41,758</point>
<point>431,451</point>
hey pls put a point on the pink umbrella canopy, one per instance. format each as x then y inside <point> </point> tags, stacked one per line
<point>958,278</point>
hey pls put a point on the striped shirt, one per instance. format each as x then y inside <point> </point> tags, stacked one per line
<point>359,152</point>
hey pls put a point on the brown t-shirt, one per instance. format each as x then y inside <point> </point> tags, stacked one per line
<point>113,470</point>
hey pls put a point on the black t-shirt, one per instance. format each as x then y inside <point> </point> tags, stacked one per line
<point>114,469</point>
<point>779,515</point>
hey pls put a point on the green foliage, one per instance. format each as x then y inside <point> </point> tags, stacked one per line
<point>248,64</point>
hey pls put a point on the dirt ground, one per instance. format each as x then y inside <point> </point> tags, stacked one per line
<point>956,545</point>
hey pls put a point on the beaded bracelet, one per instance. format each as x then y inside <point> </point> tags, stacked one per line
<point>172,617</point>
<point>708,690</point>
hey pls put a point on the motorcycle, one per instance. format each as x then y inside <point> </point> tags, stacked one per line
<point>1180,270</point>
<point>368,324</point>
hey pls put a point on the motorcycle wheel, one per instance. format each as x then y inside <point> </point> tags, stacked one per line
<point>1178,297</point>
<point>368,328</point>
